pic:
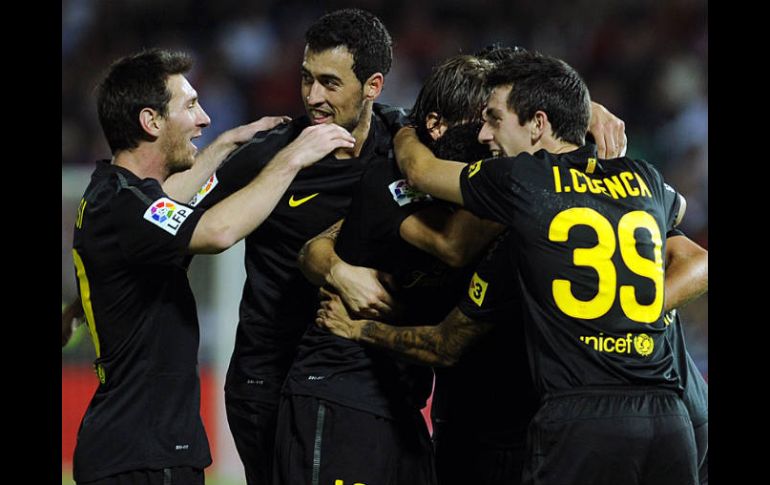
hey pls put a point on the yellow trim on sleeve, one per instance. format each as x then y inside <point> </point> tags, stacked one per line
<point>85,299</point>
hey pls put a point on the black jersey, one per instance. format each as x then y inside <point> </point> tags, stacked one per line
<point>278,302</point>
<point>129,249</point>
<point>589,245</point>
<point>351,373</point>
<point>470,394</point>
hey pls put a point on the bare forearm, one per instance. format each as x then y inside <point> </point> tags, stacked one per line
<point>317,257</point>
<point>239,214</point>
<point>438,177</point>
<point>436,345</point>
<point>422,345</point>
<point>182,186</point>
<point>686,280</point>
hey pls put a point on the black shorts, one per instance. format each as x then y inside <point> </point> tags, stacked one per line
<point>252,424</point>
<point>183,475</point>
<point>320,442</point>
<point>463,457</point>
<point>702,444</point>
<point>600,436</point>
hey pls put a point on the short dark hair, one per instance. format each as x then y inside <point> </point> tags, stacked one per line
<point>496,52</point>
<point>456,90</point>
<point>544,83</point>
<point>131,84</point>
<point>362,33</point>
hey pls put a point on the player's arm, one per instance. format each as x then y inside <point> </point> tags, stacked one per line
<point>454,236</point>
<point>232,219</point>
<point>687,271</point>
<point>71,316</point>
<point>608,131</point>
<point>361,288</point>
<point>425,171</point>
<point>435,345</point>
<point>182,186</point>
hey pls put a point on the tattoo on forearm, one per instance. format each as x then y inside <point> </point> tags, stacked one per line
<point>441,344</point>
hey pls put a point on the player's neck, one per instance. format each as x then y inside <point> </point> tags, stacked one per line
<point>360,133</point>
<point>555,146</point>
<point>143,161</point>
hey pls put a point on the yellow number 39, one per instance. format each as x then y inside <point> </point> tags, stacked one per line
<point>599,258</point>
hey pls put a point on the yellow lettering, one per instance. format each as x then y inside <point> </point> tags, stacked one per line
<point>620,345</point>
<point>595,340</point>
<point>607,346</point>
<point>590,184</point>
<point>557,179</point>
<point>615,187</point>
<point>626,177</point>
<point>600,186</point>
<point>591,165</point>
<point>579,187</point>
<point>645,190</point>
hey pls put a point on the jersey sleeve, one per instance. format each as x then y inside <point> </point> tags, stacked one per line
<point>242,165</point>
<point>394,117</point>
<point>492,294</point>
<point>151,227</point>
<point>381,202</point>
<point>486,188</point>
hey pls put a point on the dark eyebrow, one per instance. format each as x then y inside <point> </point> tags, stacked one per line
<point>323,78</point>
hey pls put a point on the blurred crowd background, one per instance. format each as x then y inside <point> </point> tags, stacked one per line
<point>646,60</point>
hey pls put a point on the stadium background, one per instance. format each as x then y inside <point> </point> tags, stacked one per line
<point>645,60</point>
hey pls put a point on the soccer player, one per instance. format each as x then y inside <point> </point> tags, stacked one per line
<point>131,244</point>
<point>585,248</point>
<point>339,396</point>
<point>347,55</point>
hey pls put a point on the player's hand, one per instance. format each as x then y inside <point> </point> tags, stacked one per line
<point>244,133</point>
<point>608,131</point>
<point>317,141</point>
<point>362,290</point>
<point>334,316</point>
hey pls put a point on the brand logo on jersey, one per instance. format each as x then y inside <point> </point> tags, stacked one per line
<point>204,190</point>
<point>167,215</point>
<point>642,343</point>
<point>298,202</point>
<point>669,317</point>
<point>477,289</point>
<point>473,168</point>
<point>668,187</point>
<point>403,193</point>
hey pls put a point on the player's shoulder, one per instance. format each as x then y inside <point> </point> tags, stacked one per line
<point>270,141</point>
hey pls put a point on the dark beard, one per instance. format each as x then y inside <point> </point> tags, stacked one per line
<point>461,143</point>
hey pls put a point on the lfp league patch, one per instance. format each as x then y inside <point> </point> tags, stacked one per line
<point>205,190</point>
<point>167,214</point>
<point>403,193</point>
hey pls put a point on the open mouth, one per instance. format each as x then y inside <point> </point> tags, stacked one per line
<point>195,147</point>
<point>319,117</point>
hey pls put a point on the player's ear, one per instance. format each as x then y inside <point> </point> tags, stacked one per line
<point>435,125</point>
<point>373,86</point>
<point>538,126</point>
<point>150,121</point>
